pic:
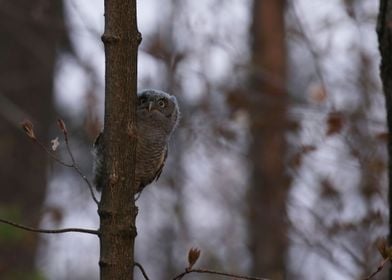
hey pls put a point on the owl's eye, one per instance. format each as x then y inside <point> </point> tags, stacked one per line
<point>161,103</point>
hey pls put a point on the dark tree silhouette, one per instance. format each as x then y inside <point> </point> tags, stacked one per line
<point>31,35</point>
<point>385,45</point>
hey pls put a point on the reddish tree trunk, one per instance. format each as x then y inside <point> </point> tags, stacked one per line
<point>269,183</point>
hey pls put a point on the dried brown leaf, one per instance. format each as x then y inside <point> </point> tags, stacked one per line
<point>328,190</point>
<point>335,123</point>
<point>382,246</point>
<point>237,99</point>
<point>308,148</point>
<point>318,93</point>
<point>28,128</point>
<point>382,136</point>
<point>193,256</point>
<point>56,214</point>
<point>62,126</point>
<point>296,160</point>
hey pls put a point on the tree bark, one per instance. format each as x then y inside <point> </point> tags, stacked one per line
<point>384,32</point>
<point>31,33</point>
<point>269,182</point>
<point>117,208</point>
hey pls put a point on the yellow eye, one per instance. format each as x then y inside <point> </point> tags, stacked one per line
<point>161,104</point>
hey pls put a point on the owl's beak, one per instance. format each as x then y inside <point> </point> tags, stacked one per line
<point>149,106</point>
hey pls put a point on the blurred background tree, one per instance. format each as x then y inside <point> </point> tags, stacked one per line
<point>33,34</point>
<point>267,109</point>
<point>278,167</point>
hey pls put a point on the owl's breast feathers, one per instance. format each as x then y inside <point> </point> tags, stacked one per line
<point>145,176</point>
<point>150,160</point>
<point>161,164</point>
<point>151,153</point>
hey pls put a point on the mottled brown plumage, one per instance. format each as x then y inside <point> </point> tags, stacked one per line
<point>157,117</point>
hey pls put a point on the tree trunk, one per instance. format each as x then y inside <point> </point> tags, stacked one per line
<point>30,35</point>
<point>117,208</point>
<point>385,45</point>
<point>269,183</point>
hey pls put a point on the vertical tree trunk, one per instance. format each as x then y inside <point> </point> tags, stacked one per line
<point>30,35</point>
<point>269,183</point>
<point>117,208</point>
<point>385,45</point>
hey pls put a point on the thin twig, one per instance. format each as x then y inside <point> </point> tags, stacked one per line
<point>50,231</point>
<point>29,130</point>
<point>142,270</point>
<point>207,271</point>
<point>87,182</point>
<point>51,154</point>
<point>77,169</point>
<point>311,47</point>
<point>379,268</point>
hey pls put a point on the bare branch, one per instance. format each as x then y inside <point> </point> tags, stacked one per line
<point>207,271</point>
<point>74,164</point>
<point>50,231</point>
<point>142,270</point>
<point>28,128</point>
<point>311,47</point>
<point>379,268</point>
<point>52,156</point>
<point>90,186</point>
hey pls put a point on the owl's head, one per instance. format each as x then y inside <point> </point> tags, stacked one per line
<point>158,107</point>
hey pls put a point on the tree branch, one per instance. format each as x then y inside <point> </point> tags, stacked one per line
<point>29,130</point>
<point>315,55</point>
<point>51,155</point>
<point>379,268</point>
<point>207,271</point>
<point>138,265</point>
<point>50,231</point>
<point>74,164</point>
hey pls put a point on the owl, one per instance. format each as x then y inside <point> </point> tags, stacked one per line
<point>157,117</point>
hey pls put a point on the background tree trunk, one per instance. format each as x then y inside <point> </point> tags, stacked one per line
<point>117,209</point>
<point>31,32</point>
<point>269,183</point>
<point>385,46</point>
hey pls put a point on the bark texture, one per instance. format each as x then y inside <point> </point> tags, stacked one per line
<point>117,207</point>
<point>384,31</point>
<point>31,33</point>
<point>269,183</point>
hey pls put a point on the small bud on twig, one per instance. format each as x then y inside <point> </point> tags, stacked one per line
<point>193,256</point>
<point>62,126</point>
<point>384,249</point>
<point>28,128</point>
